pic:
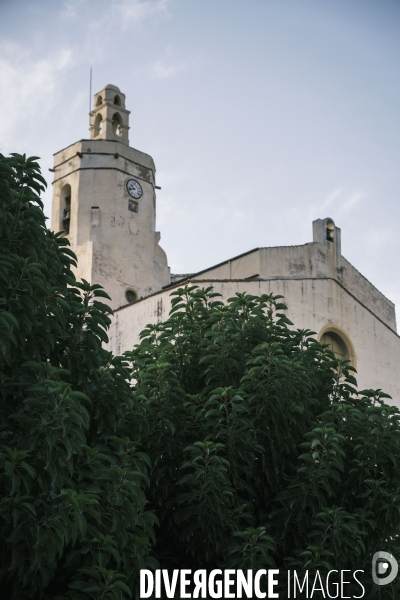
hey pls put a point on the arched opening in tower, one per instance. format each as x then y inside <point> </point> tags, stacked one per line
<point>330,231</point>
<point>65,206</point>
<point>98,124</point>
<point>117,125</point>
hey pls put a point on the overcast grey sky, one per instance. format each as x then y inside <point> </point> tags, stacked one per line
<point>261,115</point>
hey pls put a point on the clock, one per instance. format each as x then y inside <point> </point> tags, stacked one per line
<point>134,188</point>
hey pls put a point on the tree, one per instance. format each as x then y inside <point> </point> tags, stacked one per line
<point>263,453</point>
<point>225,439</point>
<point>73,518</point>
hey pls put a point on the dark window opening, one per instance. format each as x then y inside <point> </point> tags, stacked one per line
<point>117,100</point>
<point>99,101</point>
<point>133,206</point>
<point>329,234</point>
<point>131,296</point>
<point>66,214</point>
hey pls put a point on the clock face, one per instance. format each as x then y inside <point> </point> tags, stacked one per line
<point>134,188</point>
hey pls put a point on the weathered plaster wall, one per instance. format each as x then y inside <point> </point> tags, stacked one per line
<point>360,287</point>
<point>309,260</point>
<point>117,248</point>
<point>312,303</point>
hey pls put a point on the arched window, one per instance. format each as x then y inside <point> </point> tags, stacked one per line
<point>99,101</point>
<point>336,344</point>
<point>130,296</point>
<point>98,124</point>
<point>65,207</point>
<point>117,124</point>
<point>339,342</point>
<point>330,231</point>
<point>117,100</point>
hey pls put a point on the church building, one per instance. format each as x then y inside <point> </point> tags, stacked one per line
<point>104,199</point>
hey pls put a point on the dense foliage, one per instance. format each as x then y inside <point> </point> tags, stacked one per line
<point>225,439</point>
<point>262,452</point>
<point>72,508</point>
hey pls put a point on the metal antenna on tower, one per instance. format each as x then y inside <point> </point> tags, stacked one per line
<point>90,92</point>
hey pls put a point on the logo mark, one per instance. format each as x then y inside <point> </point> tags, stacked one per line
<point>382,560</point>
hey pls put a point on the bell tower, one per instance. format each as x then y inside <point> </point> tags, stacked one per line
<point>109,119</point>
<point>105,203</point>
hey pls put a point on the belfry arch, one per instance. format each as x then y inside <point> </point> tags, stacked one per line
<point>98,125</point>
<point>117,125</point>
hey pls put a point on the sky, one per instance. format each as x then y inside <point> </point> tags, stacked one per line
<point>261,115</point>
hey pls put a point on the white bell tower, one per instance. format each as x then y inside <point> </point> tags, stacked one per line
<point>109,120</point>
<point>104,200</point>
